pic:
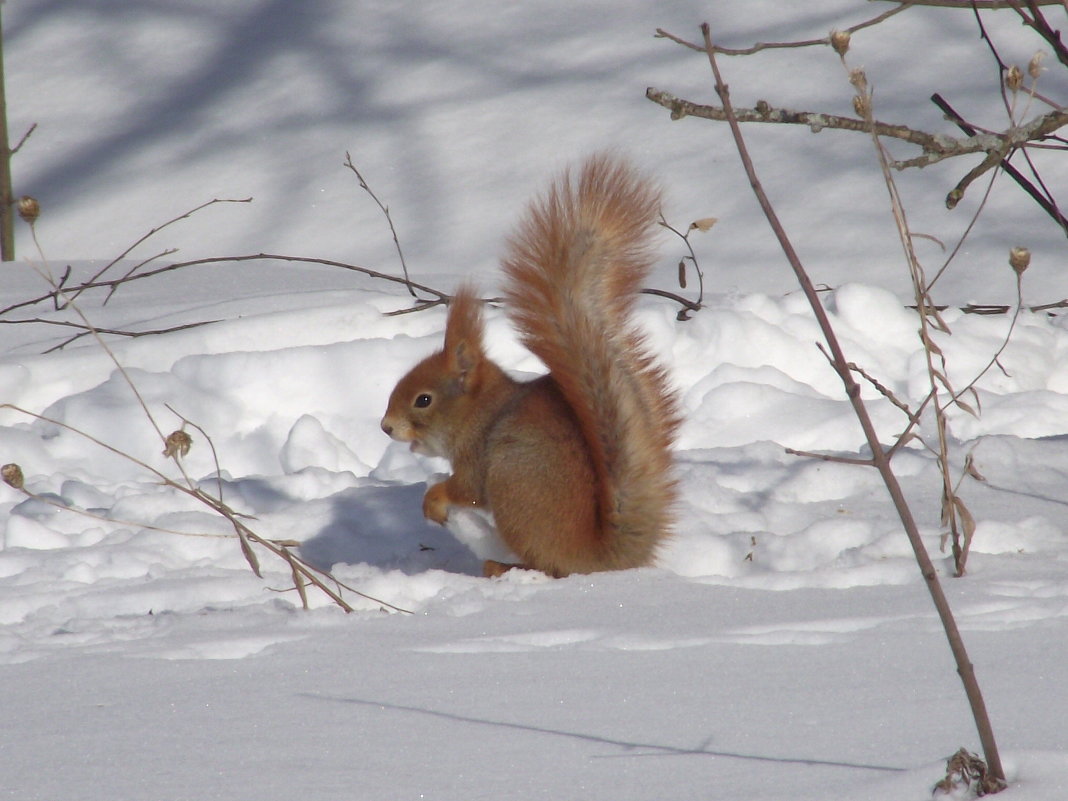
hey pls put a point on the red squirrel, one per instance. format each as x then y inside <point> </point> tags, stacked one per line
<point>575,466</point>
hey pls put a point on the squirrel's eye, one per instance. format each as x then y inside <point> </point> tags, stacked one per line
<point>422,401</point>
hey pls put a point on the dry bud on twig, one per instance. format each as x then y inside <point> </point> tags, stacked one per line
<point>840,42</point>
<point>12,475</point>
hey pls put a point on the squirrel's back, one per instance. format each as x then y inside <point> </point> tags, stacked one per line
<point>575,266</point>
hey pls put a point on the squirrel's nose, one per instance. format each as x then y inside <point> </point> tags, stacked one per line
<point>387,428</point>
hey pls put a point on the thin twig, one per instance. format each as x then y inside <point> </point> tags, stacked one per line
<point>687,305</point>
<point>152,233</point>
<point>986,5</point>
<point>241,531</point>
<point>692,258</point>
<point>134,269</point>
<point>22,141</point>
<point>746,51</point>
<point>136,524</point>
<point>87,331</point>
<point>100,283</point>
<point>245,535</point>
<point>389,220</point>
<point>879,455</point>
<point>979,209</point>
<point>68,302</point>
<point>1045,201</point>
<point>1038,22</point>
<point>828,457</point>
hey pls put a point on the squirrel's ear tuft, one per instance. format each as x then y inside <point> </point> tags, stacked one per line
<point>463,332</point>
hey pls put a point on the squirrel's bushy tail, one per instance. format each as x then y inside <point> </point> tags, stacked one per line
<point>575,266</point>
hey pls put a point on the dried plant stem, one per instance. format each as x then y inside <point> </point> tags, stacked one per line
<point>119,522</point>
<point>953,509</point>
<point>302,572</point>
<point>58,293</point>
<point>880,457</point>
<point>320,579</point>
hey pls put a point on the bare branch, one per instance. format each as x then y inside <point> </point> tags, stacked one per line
<point>880,457</point>
<point>687,305</point>
<point>133,270</point>
<point>984,5</point>
<point>97,283</point>
<point>389,220</point>
<point>153,232</point>
<point>827,457</point>
<point>826,40</point>
<point>816,121</point>
<point>22,141</point>
<point>936,147</point>
<point>1038,22</point>
<point>88,330</point>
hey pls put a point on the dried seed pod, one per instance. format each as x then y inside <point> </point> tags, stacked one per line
<point>703,224</point>
<point>1034,66</point>
<point>12,475</point>
<point>29,209</point>
<point>1014,78</point>
<point>1019,259</point>
<point>177,444</point>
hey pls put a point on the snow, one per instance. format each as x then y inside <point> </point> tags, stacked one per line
<point>784,646</point>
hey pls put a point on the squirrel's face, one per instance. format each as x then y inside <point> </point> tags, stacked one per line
<point>415,406</point>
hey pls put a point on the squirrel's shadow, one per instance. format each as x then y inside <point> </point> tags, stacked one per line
<point>383,526</point>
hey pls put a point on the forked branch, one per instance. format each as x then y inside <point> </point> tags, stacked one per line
<point>934,147</point>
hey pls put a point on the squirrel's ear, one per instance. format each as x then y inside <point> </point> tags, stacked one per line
<point>463,358</point>
<point>463,365</point>
<point>463,335</point>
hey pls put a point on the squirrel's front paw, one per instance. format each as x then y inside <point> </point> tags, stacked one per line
<point>436,504</point>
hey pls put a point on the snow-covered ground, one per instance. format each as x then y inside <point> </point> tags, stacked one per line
<point>783,648</point>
